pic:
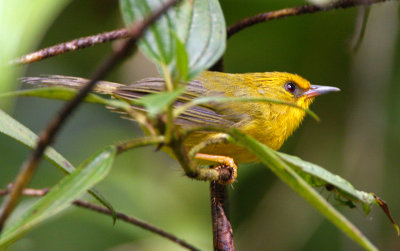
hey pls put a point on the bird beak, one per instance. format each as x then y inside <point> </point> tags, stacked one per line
<point>316,90</point>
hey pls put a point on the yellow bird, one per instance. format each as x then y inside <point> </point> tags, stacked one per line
<point>269,123</point>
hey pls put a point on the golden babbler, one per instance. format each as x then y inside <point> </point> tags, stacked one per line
<point>269,123</point>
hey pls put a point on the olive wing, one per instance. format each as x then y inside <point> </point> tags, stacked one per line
<point>202,115</point>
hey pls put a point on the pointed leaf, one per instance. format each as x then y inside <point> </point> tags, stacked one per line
<point>24,135</point>
<point>157,102</point>
<point>182,62</point>
<point>344,190</point>
<point>61,195</point>
<point>386,210</point>
<point>298,184</point>
<point>318,176</point>
<point>63,93</point>
<point>199,24</point>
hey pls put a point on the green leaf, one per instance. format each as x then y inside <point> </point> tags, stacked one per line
<point>158,43</point>
<point>318,176</point>
<point>199,24</point>
<point>61,195</point>
<point>64,93</point>
<point>344,190</point>
<point>272,159</point>
<point>204,35</point>
<point>157,102</point>
<point>24,135</point>
<point>182,62</point>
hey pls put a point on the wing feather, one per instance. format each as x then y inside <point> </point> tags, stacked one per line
<point>207,114</point>
<point>197,115</point>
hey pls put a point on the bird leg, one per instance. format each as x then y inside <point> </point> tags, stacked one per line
<point>227,167</point>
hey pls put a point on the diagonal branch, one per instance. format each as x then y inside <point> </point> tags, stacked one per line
<point>134,221</point>
<point>295,11</point>
<point>73,45</point>
<point>103,210</point>
<point>84,42</point>
<point>47,136</point>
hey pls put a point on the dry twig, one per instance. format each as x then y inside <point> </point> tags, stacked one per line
<point>103,210</point>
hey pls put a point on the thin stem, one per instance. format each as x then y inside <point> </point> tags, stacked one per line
<point>73,45</point>
<point>104,210</point>
<point>47,136</point>
<point>136,222</point>
<point>27,191</point>
<point>216,140</point>
<point>170,118</point>
<point>142,119</point>
<point>84,42</point>
<point>295,11</point>
<point>127,145</point>
<point>167,78</point>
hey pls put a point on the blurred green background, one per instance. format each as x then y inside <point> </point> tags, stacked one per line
<point>358,137</point>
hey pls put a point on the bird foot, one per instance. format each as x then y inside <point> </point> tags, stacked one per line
<point>227,168</point>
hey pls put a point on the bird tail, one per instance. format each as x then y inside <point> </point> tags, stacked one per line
<point>102,87</point>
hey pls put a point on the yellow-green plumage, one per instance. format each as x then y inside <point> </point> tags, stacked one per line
<point>270,123</point>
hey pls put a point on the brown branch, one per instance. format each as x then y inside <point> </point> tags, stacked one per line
<point>47,136</point>
<point>136,222</point>
<point>27,191</point>
<point>73,45</point>
<point>103,210</point>
<point>295,11</point>
<point>222,229</point>
<point>84,42</point>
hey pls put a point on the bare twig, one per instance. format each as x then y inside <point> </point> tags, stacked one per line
<point>84,42</point>
<point>73,45</point>
<point>295,11</point>
<point>124,146</point>
<point>47,136</point>
<point>104,210</point>
<point>283,13</point>
<point>27,191</point>
<point>136,222</point>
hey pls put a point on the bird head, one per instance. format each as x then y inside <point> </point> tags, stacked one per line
<point>294,89</point>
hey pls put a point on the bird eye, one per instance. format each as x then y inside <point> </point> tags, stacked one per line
<point>290,87</point>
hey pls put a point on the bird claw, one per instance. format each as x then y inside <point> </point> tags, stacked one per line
<point>227,173</point>
<point>227,168</point>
